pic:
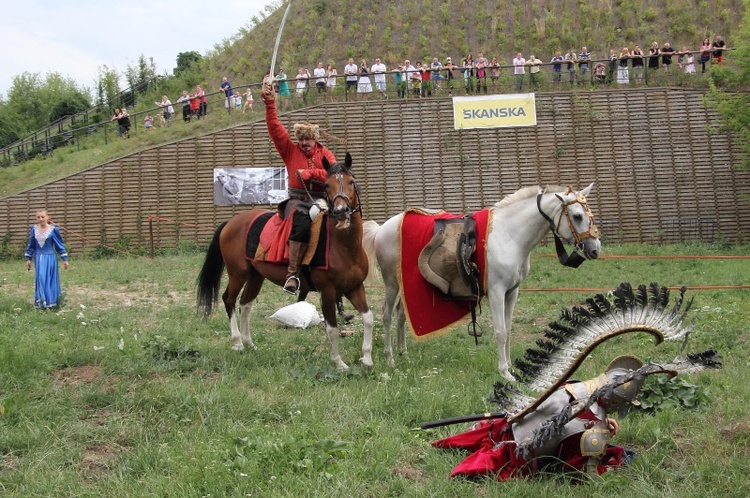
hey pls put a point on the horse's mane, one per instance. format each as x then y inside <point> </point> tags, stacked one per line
<point>525,193</point>
<point>339,168</point>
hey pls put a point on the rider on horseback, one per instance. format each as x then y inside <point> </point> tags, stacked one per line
<point>306,177</point>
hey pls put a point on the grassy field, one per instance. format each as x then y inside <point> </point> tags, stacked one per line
<point>125,392</point>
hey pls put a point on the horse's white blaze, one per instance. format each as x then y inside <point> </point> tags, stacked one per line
<point>516,228</point>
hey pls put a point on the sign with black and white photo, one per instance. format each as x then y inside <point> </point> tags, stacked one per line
<point>249,186</point>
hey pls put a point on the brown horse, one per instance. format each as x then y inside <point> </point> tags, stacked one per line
<point>345,274</point>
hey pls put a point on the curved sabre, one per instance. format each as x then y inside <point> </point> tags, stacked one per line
<point>278,39</point>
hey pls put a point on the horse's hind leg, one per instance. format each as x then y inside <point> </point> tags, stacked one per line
<point>230,302</point>
<point>250,292</point>
<point>400,327</point>
<point>391,300</point>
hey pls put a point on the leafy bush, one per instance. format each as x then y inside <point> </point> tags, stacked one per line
<point>661,392</point>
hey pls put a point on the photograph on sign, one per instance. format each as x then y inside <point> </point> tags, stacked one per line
<point>249,186</point>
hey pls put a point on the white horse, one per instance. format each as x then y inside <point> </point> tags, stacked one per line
<point>519,222</point>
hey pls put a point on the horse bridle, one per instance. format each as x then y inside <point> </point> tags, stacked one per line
<point>351,209</point>
<point>575,259</point>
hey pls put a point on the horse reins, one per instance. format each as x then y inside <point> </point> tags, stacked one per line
<point>575,259</point>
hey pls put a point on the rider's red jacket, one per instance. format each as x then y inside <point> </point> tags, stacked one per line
<point>293,156</point>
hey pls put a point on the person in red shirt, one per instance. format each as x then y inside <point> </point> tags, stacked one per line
<point>304,166</point>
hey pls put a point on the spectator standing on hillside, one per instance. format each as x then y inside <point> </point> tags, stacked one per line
<point>331,74</point>
<point>653,56</point>
<point>481,64</point>
<point>556,62</point>
<point>148,122</point>
<point>449,67</point>
<point>200,94</point>
<point>184,99</point>
<point>248,100</point>
<point>301,83</point>
<point>494,73</point>
<point>535,67</point>
<point>194,106</point>
<point>468,70</point>
<point>623,76</point>
<point>320,79</point>
<point>424,72</point>
<point>226,87</point>
<point>379,69</point>
<point>519,70</point>
<point>718,47</point>
<point>44,240</point>
<point>666,56</point>
<point>611,66</point>
<point>123,122</point>
<point>571,59</point>
<point>436,73</point>
<point>584,59</point>
<point>705,54</point>
<point>400,77</point>
<point>415,79</point>
<point>689,63</point>
<point>364,85</point>
<point>166,109</point>
<point>637,57</point>
<point>350,72</point>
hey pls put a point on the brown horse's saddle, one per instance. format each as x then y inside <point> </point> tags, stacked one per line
<point>445,261</point>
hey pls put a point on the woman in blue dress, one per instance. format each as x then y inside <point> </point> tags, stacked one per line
<point>44,240</point>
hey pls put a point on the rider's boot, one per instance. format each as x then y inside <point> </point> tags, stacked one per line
<point>297,251</point>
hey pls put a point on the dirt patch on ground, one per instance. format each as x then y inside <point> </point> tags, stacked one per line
<point>84,374</point>
<point>76,296</point>
<point>96,459</point>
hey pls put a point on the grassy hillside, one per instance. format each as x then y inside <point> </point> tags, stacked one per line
<point>333,30</point>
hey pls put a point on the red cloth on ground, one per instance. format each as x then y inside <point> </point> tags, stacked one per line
<point>426,310</point>
<point>489,457</point>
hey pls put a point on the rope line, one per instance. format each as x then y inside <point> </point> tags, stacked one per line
<point>160,218</point>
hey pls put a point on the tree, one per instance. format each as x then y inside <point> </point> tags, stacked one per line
<point>108,87</point>
<point>33,102</point>
<point>185,60</point>
<point>139,76</point>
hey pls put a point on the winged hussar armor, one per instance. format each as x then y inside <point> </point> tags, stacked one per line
<point>550,421</point>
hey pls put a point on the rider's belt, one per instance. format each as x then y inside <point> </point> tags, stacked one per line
<point>303,195</point>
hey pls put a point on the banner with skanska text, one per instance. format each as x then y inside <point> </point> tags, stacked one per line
<point>494,111</point>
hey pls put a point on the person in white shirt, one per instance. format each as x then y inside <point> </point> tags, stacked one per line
<point>519,70</point>
<point>351,70</point>
<point>320,78</point>
<point>379,69</point>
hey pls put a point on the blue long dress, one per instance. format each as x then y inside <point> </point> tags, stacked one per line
<point>42,247</point>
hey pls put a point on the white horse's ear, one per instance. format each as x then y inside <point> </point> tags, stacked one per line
<point>560,197</point>
<point>587,190</point>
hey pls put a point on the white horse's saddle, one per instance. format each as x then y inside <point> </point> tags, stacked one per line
<point>445,261</point>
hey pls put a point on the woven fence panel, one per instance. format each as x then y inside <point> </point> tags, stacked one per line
<point>660,173</point>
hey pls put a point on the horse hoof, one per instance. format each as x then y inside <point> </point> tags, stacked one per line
<point>342,367</point>
<point>366,363</point>
<point>391,362</point>
<point>238,347</point>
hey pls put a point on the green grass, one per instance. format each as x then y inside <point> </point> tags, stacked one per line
<point>91,407</point>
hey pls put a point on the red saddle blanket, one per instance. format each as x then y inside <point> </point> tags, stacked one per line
<point>427,311</point>
<point>268,233</point>
<point>273,240</point>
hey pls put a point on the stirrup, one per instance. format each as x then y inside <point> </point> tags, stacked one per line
<point>288,285</point>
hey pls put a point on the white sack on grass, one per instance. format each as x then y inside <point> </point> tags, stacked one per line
<point>299,315</point>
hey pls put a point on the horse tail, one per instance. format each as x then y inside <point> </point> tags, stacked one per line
<point>209,279</point>
<point>369,231</point>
